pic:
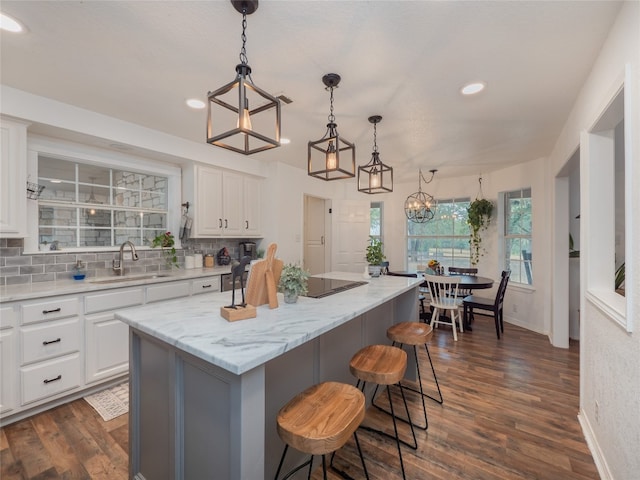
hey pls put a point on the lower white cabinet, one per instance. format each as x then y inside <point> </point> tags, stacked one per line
<point>107,347</point>
<point>8,401</point>
<point>54,349</point>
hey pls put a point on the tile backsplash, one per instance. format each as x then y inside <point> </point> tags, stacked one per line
<point>16,267</point>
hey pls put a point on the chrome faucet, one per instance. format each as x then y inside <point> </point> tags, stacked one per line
<point>118,265</point>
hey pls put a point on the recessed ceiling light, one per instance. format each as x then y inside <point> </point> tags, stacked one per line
<point>285,141</point>
<point>472,88</point>
<point>195,103</point>
<point>10,24</point>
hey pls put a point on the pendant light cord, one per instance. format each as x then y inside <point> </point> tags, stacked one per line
<point>331,118</point>
<point>243,50</point>
<point>375,143</point>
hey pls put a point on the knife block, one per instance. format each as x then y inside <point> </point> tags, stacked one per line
<point>239,313</point>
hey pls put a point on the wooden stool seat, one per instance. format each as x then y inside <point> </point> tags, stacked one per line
<point>321,419</point>
<point>410,333</point>
<point>383,365</point>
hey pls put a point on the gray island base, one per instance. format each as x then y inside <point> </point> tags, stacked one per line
<point>205,392</point>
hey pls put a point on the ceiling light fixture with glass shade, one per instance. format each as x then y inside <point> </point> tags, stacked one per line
<point>332,157</point>
<point>241,108</point>
<point>375,176</point>
<point>420,207</point>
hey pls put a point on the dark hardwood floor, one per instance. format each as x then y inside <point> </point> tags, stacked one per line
<point>510,412</point>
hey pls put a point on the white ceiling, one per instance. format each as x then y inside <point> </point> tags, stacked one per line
<point>405,60</point>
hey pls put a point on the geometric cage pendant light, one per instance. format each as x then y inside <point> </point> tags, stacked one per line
<point>240,115</point>
<point>375,176</point>
<point>420,207</point>
<point>332,157</point>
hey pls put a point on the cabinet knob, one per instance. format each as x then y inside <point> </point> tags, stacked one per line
<point>220,221</point>
<point>57,340</point>
<point>207,286</point>
<point>226,224</point>
<point>247,222</point>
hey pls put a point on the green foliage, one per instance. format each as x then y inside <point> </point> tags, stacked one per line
<point>374,253</point>
<point>166,241</point>
<point>478,218</point>
<point>620,275</point>
<point>293,279</point>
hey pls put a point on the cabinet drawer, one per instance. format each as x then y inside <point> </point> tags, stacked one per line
<point>166,291</point>
<point>49,340</point>
<point>51,377</point>
<point>49,310</point>
<point>205,285</point>
<point>100,302</point>
<point>8,317</point>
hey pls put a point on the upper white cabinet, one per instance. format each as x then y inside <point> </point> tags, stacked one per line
<point>13,178</point>
<point>222,203</point>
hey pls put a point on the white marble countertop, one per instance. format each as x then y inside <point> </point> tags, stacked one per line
<point>64,287</point>
<point>194,325</point>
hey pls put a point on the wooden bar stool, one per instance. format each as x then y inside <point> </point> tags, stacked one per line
<point>414,334</point>
<point>320,420</point>
<point>384,365</point>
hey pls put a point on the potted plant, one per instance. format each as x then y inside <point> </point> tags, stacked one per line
<point>293,282</point>
<point>166,241</point>
<point>619,282</point>
<point>478,218</point>
<point>374,256</point>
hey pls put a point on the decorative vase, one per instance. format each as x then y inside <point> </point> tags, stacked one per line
<point>290,297</point>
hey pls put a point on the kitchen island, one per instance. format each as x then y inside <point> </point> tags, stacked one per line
<point>205,392</point>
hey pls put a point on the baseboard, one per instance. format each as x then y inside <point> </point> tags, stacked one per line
<point>594,448</point>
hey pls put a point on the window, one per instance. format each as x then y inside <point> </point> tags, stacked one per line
<point>517,235</point>
<point>445,238</point>
<point>375,227</point>
<point>86,205</point>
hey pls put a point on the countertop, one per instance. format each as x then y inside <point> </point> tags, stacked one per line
<point>195,326</point>
<point>63,287</point>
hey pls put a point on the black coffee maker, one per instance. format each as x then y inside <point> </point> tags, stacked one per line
<point>248,249</point>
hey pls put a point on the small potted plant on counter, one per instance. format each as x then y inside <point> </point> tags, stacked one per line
<point>166,241</point>
<point>293,282</point>
<point>374,256</point>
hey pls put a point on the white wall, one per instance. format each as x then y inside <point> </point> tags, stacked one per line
<point>610,356</point>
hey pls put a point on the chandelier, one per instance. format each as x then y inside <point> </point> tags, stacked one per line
<point>244,113</point>
<point>328,158</point>
<point>375,176</point>
<point>420,207</point>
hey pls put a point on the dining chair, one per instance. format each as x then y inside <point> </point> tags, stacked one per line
<point>443,290</point>
<point>463,271</point>
<point>494,305</point>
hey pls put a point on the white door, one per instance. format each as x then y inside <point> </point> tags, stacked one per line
<point>314,234</point>
<point>350,225</point>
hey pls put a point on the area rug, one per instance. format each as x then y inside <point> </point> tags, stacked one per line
<point>110,403</point>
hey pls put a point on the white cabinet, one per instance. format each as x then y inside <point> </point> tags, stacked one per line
<point>8,399</point>
<point>106,338</point>
<point>167,291</point>
<point>205,285</point>
<point>50,348</point>
<point>222,203</point>
<point>13,178</point>
<point>252,198</point>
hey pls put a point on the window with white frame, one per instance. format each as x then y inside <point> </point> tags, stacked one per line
<point>86,205</point>
<point>517,230</point>
<point>375,225</point>
<point>445,238</point>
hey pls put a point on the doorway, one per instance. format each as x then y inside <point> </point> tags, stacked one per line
<point>315,253</point>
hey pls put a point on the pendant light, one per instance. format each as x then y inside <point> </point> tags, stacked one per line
<point>375,176</point>
<point>245,113</point>
<point>332,157</point>
<point>420,207</point>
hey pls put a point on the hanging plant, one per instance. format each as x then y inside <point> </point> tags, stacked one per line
<point>478,218</point>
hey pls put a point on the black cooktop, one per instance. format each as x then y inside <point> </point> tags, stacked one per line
<point>321,287</point>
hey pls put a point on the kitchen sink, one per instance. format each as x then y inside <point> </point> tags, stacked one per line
<point>130,278</point>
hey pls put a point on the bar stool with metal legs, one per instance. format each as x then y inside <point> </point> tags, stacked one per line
<point>414,334</point>
<point>384,365</point>
<point>320,420</point>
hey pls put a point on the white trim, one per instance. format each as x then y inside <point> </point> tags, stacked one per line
<point>611,304</point>
<point>592,442</point>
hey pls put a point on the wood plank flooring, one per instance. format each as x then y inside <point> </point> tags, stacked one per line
<point>510,412</point>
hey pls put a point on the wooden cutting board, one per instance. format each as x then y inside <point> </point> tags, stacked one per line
<point>257,292</point>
